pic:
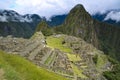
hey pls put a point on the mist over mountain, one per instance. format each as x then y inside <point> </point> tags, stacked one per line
<point>12,23</point>
<point>111,17</point>
<point>12,16</point>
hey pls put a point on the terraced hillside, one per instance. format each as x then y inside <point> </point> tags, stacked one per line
<point>65,55</point>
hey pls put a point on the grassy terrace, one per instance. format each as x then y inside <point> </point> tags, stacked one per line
<point>18,68</point>
<point>101,60</point>
<point>50,59</point>
<point>77,71</point>
<point>56,42</point>
<point>73,57</point>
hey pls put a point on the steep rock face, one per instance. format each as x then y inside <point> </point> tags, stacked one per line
<point>103,36</point>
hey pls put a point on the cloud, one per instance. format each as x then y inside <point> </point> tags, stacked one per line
<point>56,7</point>
<point>113,16</point>
<point>44,7</point>
<point>3,18</point>
<point>6,4</point>
<point>100,6</point>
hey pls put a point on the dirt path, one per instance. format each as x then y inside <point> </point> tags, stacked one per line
<point>2,74</point>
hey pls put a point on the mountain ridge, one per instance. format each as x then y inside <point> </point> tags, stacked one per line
<point>13,16</point>
<point>81,24</point>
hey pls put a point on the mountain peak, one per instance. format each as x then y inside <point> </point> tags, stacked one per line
<point>41,25</point>
<point>78,14</point>
<point>79,7</point>
<point>79,23</point>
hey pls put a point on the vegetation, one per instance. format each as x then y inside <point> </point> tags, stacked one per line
<point>56,42</point>
<point>115,73</point>
<point>16,29</point>
<point>50,58</point>
<point>77,72</point>
<point>17,68</point>
<point>100,60</point>
<point>73,57</point>
<point>44,28</point>
<point>103,36</point>
<point>95,58</point>
<point>37,35</point>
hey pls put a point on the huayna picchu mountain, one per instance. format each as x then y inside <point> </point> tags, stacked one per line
<point>103,36</point>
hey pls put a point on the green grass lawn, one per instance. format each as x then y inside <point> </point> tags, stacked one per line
<point>73,57</point>
<point>56,42</point>
<point>18,68</point>
<point>77,71</point>
<point>101,60</point>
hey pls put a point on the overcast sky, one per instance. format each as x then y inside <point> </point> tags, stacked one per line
<point>55,7</point>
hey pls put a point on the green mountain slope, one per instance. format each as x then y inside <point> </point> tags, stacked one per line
<point>103,36</point>
<point>14,67</point>
<point>44,28</point>
<point>16,29</point>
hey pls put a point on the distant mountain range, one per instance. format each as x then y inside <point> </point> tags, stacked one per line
<point>15,24</point>
<point>111,16</point>
<point>12,16</point>
<point>12,23</point>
